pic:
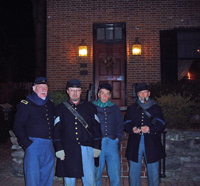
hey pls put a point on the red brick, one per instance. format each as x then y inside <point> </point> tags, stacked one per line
<point>70,21</point>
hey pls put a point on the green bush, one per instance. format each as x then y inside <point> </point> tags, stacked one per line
<point>184,88</point>
<point>58,96</point>
<point>177,109</point>
<point>178,101</point>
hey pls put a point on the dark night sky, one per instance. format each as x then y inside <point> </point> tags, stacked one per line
<point>17,55</point>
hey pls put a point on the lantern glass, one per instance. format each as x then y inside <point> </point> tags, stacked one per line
<point>136,49</point>
<point>82,50</point>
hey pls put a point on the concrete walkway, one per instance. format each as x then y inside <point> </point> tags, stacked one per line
<point>7,179</point>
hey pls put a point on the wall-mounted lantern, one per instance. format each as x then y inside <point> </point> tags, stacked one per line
<point>136,49</point>
<point>82,49</point>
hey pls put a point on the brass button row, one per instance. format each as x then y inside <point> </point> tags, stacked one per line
<point>48,122</point>
<point>76,128</point>
<point>142,119</point>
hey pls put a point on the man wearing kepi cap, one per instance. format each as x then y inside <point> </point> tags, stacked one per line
<point>77,137</point>
<point>33,126</point>
<point>112,125</point>
<point>144,122</point>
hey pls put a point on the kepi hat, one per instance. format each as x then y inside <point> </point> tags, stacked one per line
<point>74,83</point>
<point>40,80</point>
<point>106,86</point>
<point>141,87</point>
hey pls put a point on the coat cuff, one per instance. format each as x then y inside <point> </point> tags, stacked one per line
<point>97,143</point>
<point>25,143</point>
<point>58,145</point>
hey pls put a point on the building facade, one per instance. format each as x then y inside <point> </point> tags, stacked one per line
<point>109,29</point>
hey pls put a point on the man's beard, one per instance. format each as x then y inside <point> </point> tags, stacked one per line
<point>75,99</point>
<point>145,99</point>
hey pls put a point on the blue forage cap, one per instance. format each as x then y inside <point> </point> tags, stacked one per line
<point>40,80</point>
<point>73,83</point>
<point>107,86</point>
<point>141,87</point>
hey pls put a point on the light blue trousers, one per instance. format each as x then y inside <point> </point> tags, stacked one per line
<point>88,169</point>
<point>110,155</point>
<point>135,169</point>
<point>39,163</point>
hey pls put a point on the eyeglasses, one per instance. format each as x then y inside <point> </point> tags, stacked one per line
<point>75,90</point>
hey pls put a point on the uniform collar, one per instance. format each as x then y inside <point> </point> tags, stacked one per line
<point>81,101</point>
<point>37,100</point>
<point>99,103</point>
<point>147,105</point>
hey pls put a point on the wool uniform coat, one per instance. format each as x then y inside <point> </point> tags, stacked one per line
<point>70,135</point>
<point>112,122</point>
<point>32,120</point>
<point>153,146</point>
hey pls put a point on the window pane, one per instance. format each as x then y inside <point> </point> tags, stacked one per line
<point>100,34</point>
<point>109,33</point>
<point>118,32</point>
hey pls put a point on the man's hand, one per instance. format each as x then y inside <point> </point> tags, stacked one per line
<point>97,152</point>
<point>60,154</point>
<point>145,129</point>
<point>136,130</point>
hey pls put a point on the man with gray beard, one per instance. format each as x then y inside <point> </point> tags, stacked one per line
<point>33,126</point>
<point>144,123</point>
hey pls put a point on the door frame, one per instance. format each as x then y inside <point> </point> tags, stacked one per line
<point>104,25</point>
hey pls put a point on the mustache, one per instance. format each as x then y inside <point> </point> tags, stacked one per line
<point>145,99</point>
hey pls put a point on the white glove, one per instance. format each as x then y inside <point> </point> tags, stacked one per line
<point>97,152</point>
<point>60,154</point>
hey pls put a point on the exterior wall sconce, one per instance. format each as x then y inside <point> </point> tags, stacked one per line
<point>82,48</point>
<point>136,49</point>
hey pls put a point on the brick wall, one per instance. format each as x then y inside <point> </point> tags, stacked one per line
<point>70,21</point>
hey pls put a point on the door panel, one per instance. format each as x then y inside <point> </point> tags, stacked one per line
<point>110,68</point>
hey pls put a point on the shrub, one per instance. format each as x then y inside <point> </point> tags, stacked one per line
<point>177,109</point>
<point>178,101</point>
<point>58,96</point>
<point>184,88</point>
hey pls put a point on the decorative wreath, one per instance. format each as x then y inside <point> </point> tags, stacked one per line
<point>110,62</point>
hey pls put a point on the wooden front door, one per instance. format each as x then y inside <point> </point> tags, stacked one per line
<point>109,63</point>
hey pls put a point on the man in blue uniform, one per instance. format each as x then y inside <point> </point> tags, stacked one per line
<point>144,123</point>
<point>77,137</point>
<point>112,125</point>
<point>33,126</point>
